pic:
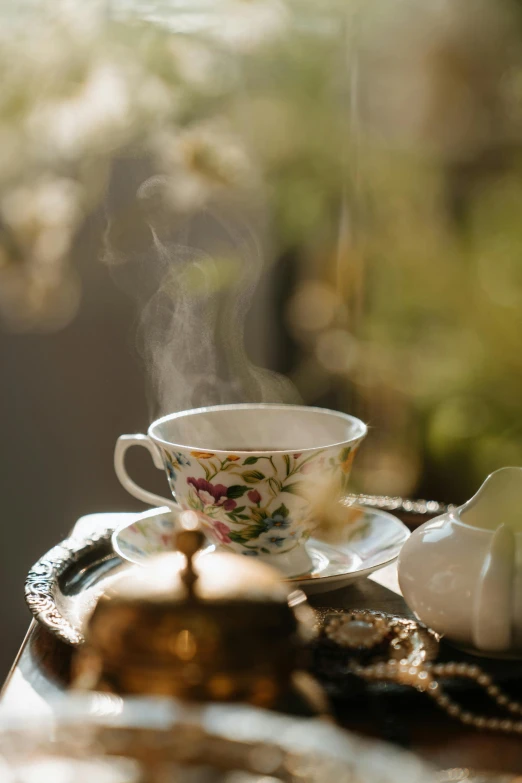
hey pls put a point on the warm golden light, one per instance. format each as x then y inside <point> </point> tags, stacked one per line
<point>185,645</point>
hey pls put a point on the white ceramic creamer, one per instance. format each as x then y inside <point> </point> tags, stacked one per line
<point>461,573</point>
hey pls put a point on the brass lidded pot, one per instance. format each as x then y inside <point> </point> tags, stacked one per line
<point>201,627</point>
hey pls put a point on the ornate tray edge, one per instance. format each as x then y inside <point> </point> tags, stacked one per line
<point>42,580</point>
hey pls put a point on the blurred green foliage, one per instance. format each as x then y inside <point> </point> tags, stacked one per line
<point>381,143</point>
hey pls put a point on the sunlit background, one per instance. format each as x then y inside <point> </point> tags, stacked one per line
<point>255,200</point>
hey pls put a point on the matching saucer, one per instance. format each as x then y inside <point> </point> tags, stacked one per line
<point>370,540</point>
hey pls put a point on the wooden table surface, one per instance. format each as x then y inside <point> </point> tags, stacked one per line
<point>41,672</point>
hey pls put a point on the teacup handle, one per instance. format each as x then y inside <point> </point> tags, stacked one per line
<point>123,443</point>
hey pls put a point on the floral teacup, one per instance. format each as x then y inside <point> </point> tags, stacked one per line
<point>253,481</point>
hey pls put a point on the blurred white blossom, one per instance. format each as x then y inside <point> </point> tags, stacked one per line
<point>201,160</point>
<point>247,24</point>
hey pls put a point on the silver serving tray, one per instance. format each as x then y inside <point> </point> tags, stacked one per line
<point>62,588</point>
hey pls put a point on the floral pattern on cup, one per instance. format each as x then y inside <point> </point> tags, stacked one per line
<point>256,503</point>
<point>175,461</point>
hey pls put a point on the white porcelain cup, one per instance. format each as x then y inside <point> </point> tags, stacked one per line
<point>249,472</point>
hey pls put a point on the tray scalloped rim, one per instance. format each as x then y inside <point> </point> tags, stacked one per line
<point>42,581</point>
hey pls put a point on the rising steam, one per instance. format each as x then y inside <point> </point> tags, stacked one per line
<point>194,279</point>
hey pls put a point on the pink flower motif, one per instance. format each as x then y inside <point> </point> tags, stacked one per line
<point>309,467</point>
<point>206,498</point>
<point>221,530</point>
<point>212,494</point>
<point>299,454</point>
<point>254,496</point>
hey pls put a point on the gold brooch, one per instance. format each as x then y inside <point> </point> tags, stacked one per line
<point>357,630</point>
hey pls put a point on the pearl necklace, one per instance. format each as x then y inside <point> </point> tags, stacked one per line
<point>423,676</point>
<point>360,631</point>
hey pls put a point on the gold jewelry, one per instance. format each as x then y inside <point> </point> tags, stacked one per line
<point>403,652</point>
<point>386,636</point>
<point>422,678</point>
<point>357,630</point>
